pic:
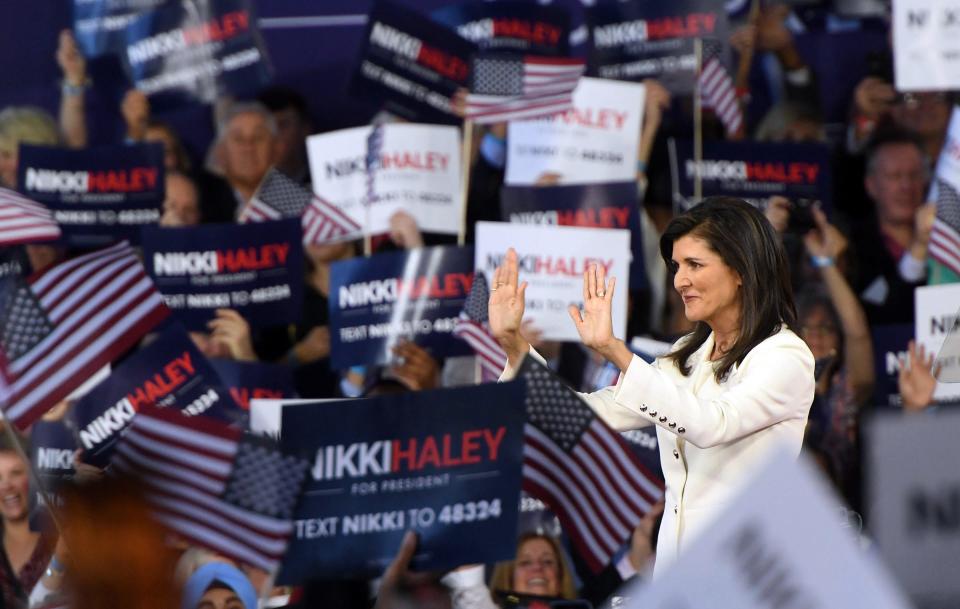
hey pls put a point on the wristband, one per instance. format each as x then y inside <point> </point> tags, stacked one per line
<point>822,261</point>
<point>71,90</point>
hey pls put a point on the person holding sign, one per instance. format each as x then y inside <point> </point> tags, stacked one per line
<point>741,382</point>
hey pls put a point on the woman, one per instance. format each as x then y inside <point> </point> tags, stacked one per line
<point>539,569</point>
<point>741,382</point>
<point>26,554</point>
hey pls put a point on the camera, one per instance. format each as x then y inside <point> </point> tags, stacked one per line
<point>801,216</point>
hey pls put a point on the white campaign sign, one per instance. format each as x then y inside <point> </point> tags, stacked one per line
<point>915,512</point>
<point>926,44</point>
<point>419,172</point>
<point>780,544</point>
<point>594,142</point>
<point>937,307</point>
<point>552,260</point>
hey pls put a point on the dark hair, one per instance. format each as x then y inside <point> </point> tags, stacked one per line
<point>888,134</point>
<point>746,242</point>
<point>279,97</point>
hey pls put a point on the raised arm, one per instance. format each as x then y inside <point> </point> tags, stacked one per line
<point>505,309</point>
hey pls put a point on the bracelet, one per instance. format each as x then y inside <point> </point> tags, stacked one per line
<point>69,89</point>
<point>822,261</point>
<point>55,568</point>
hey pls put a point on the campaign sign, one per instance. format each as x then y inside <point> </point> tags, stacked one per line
<point>594,205</point>
<point>444,463</point>
<point>97,195</point>
<point>418,171</point>
<point>638,40</point>
<point>913,492</point>
<point>926,48</point>
<point>196,51</point>
<point>780,543</point>
<point>508,25</point>
<point>415,295</point>
<point>256,269</point>
<point>889,354</point>
<point>254,380</point>
<point>752,171</point>
<point>13,261</point>
<point>937,316</point>
<point>99,26</point>
<point>552,260</point>
<point>412,63</point>
<point>52,446</point>
<point>169,372</point>
<point>594,142</point>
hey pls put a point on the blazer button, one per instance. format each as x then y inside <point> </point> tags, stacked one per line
<point>676,454</point>
<point>674,509</point>
<point>681,429</point>
<point>663,419</point>
<point>643,408</point>
<point>652,413</point>
<point>673,424</point>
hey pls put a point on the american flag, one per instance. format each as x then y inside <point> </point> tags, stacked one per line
<point>472,326</point>
<point>24,221</point>
<point>583,470</point>
<point>716,88</point>
<point>281,197</point>
<point>213,485</point>
<point>58,328</point>
<point>511,87</point>
<point>945,234</point>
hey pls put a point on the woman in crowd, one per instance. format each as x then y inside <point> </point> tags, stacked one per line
<point>539,569</point>
<point>26,554</point>
<point>739,384</point>
<point>835,328</point>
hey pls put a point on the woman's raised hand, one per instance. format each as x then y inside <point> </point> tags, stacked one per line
<point>505,308</point>
<point>594,321</point>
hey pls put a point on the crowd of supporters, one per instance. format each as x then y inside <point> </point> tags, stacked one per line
<point>853,272</point>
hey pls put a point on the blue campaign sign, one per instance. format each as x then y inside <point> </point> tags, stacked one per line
<point>169,372</point>
<point>13,261</point>
<point>412,63</point>
<point>256,269</point>
<point>52,446</point>
<point>415,295</point>
<point>753,171</point>
<point>443,463</point>
<point>253,380</point>
<point>592,205</point>
<point>507,25</point>
<point>196,52</point>
<point>97,195</point>
<point>889,353</point>
<point>638,40</point>
<point>99,26</point>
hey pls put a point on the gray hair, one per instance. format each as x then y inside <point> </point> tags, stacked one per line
<point>251,107</point>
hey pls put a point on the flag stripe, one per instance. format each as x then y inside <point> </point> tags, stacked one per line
<point>629,504</point>
<point>600,443</point>
<point>945,245</point>
<point>536,484</point>
<point>566,470</point>
<point>24,221</point>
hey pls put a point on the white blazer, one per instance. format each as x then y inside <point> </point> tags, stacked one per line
<point>710,434</point>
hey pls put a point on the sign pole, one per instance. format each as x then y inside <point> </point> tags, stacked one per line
<point>697,123</point>
<point>465,158</point>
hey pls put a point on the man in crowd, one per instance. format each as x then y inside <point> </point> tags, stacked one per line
<point>248,136</point>
<point>892,246</point>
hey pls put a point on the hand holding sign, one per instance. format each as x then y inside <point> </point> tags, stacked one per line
<point>505,308</point>
<point>918,379</point>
